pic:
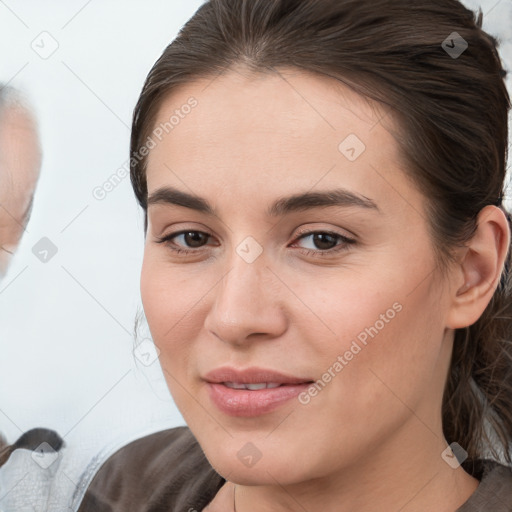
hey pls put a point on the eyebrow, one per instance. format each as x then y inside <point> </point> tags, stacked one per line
<point>282,206</point>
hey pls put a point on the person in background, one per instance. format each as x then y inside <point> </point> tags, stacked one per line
<point>20,165</point>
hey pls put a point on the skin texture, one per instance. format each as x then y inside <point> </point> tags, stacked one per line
<point>372,438</point>
<point>20,162</point>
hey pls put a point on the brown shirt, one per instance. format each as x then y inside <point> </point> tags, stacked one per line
<point>168,471</point>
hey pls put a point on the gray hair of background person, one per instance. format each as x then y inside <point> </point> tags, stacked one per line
<point>11,97</point>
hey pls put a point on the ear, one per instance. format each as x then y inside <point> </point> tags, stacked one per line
<point>478,272</point>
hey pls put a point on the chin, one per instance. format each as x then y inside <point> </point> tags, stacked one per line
<point>262,473</point>
<point>248,459</point>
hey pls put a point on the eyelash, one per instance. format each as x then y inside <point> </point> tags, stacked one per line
<point>308,252</point>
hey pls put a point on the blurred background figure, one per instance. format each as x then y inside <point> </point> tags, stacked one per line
<point>20,163</point>
<point>26,464</point>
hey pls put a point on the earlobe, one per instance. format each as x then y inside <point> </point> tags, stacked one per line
<point>481,267</point>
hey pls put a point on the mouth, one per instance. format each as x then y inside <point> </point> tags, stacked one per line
<point>252,375</point>
<point>253,391</point>
<point>252,387</point>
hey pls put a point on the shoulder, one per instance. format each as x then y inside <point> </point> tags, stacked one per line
<point>159,472</point>
<point>494,493</point>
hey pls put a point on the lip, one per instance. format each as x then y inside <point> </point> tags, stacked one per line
<point>251,375</point>
<point>247,403</point>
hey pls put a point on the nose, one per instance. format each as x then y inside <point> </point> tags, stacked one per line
<point>247,304</point>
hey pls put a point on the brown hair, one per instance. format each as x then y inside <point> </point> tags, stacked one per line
<point>452,111</point>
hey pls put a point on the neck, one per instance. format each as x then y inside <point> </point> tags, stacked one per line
<point>408,474</point>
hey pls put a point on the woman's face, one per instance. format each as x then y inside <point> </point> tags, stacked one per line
<point>341,289</point>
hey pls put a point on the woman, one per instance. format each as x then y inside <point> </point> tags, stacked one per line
<point>327,267</point>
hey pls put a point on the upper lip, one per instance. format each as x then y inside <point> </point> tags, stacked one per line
<point>251,375</point>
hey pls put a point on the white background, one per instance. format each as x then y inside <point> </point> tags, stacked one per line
<point>66,340</point>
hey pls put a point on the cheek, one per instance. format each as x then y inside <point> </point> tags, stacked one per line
<point>375,326</point>
<point>154,296</point>
<point>390,353</point>
<point>172,306</point>
<point>346,307</point>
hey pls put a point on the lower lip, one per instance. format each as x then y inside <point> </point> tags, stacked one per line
<point>243,402</point>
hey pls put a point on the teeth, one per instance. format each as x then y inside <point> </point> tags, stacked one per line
<point>255,387</point>
<point>234,385</point>
<point>252,387</point>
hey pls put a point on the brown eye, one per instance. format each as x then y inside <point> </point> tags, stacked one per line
<point>323,243</point>
<point>194,238</point>
<point>185,241</point>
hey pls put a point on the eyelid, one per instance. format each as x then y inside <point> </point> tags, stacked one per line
<point>200,227</point>
<point>174,234</point>
<point>344,244</point>
<point>309,231</point>
<point>301,232</point>
<point>6,250</point>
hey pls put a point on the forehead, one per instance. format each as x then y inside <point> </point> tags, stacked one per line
<point>284,105</point>
<point>20,151</point>
<point>20,161</point>
<point>271,132</point>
